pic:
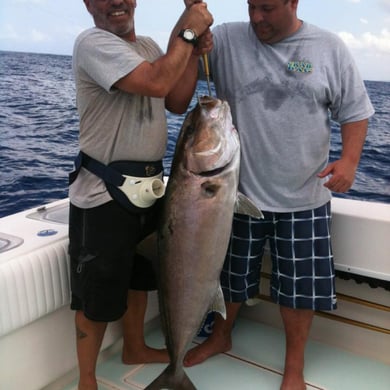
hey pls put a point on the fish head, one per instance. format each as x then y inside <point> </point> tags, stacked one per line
<point>210,140</point>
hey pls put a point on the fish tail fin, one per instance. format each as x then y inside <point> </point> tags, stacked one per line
<point>169,379</point>
<point>186,384</point>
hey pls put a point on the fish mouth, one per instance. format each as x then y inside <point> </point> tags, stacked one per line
<point>216,171</point>
<point>205,99</point>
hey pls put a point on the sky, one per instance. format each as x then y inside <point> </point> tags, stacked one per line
<point>51,26</point>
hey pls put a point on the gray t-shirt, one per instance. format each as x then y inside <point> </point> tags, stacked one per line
<point>114,125</point>
<point>282,97</point>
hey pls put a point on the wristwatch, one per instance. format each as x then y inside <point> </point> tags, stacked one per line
<point>189,36</point>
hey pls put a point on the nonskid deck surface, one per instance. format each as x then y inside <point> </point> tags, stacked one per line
<point>254,363</point>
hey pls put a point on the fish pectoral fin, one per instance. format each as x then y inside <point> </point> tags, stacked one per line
<point>245,206</point>
<point>219,303</point>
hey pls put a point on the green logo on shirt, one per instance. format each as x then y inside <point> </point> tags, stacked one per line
<point>300,66</point>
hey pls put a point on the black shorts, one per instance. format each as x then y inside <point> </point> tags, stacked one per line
<point>104,265</point>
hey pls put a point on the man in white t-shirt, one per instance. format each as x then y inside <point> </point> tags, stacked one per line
<point>124,83</point>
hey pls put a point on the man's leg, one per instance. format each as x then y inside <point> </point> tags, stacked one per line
<point>304,277</point>
<point>297,323</point>
<point>135,351</point>
<point>220,339</point>
<point>89,335</point>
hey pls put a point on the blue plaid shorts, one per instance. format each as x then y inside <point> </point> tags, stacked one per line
<point>303,274</point>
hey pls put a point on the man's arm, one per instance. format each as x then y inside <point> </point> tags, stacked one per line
<point>158,78</point>
<point>343,171</point>
<point>180,96</point>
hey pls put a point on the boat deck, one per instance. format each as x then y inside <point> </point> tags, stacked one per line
<point>255,362</point>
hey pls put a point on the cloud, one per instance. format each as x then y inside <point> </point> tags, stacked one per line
<point>368,41</point>
<point>385,4</point>
<point>30,40</point>
<point>8,33</point>
<point>38,36</point>
<point>371,52</point>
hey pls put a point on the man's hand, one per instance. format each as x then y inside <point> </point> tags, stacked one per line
<point>205,40</point>
<point>197,18</point>
<point>190,3</point>
<point>204,44</point>
<point>343,171</point>
<point>342,175</point>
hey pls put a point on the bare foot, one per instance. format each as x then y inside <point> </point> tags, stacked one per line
<point>87,386</point>
<point>210,347</point>
<point>293,380</point>
<point>145,355</point>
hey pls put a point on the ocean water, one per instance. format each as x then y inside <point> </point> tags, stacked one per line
<point>39,129</point>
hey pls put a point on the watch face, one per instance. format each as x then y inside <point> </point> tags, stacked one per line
<point>189,34</point>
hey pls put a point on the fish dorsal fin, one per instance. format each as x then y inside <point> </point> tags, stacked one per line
<point>245,206</point>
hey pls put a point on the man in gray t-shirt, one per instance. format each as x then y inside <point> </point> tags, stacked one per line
<point>285,80</point>
<point>124,83</point>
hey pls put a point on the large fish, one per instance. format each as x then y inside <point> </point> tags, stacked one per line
<point>194,234</point>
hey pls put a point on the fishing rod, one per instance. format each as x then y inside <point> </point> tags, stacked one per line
<point>207,71</point>
<point>206,63</point>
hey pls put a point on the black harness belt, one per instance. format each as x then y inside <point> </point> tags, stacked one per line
<point>136,185</point>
